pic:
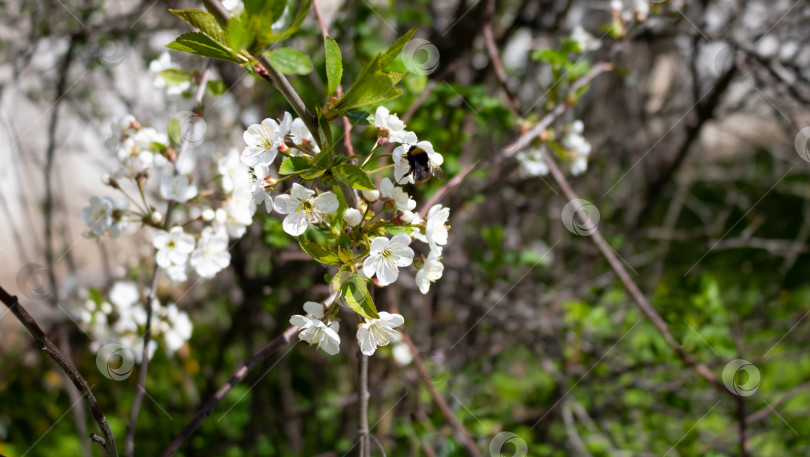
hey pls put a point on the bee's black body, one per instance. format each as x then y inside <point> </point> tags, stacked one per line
<point>422,168</point>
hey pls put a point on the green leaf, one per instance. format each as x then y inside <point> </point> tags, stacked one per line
<point>355,293</point>
<point>353,176</point>
<point>174,76</point>
<point>334,65</point>
<point>313,173</point>
<point>268,10</point>
<point>205,22</point>
<point>269,36</point>
<point>240,34</point>
<point>201,45</point>
<point>318,252</point>
<point>359,117</point>
<point>216,88</point>
<point>392,52</point>
<point>372,87</point>
<point>394,229</point>
<point>289,61</point>
<point>292,165</point>
<point>345,255</point>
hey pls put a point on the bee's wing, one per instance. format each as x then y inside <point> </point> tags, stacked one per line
<point>437,170</point>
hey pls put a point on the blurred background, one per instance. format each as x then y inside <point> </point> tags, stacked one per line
<point>697,173</point>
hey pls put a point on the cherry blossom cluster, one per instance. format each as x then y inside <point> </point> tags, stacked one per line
<point>199,238</point>
<point>576,150</point>
<point>373,255</point>
<point>121,319</point>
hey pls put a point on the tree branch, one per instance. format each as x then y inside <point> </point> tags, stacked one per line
<point>461,432</point>
<point>67,366</point>
<point>236,378</point>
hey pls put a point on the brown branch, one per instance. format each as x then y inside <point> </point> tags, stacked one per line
<point>236,378</point>
<point>67,366</point>
<point>495,58</point>
<point>451,418</point>
<point>641,301</point>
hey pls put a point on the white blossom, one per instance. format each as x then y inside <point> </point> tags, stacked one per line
<point>211,255</point>
<point>391,192</point>
<point>386,256</point>
<point>578,147</point>
<point>177,188</point>
<point>302,209</point>
<point>315,331</point>
<point>436,228</point>
<point>371,196</point>
<point>105,215</point>
<point>430,272</point>
<point>533,162</point>
<point>176,328</point>
<point>173,247</point>
<point>124,294</point>
<point>378,332</point>
<point>260,195</point>
<point>234,173</point>
<point>353,217</point>
<point>263,141</point>
<point>302,137</point>
<point>390,125</point>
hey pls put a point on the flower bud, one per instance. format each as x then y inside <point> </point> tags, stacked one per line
<point>371,195</point>
<point>406,217</point>
<point>382,141</point>
<point>353,217</point>
<point>208,215</point>
<point>106,179</point>
<point>156,217</point>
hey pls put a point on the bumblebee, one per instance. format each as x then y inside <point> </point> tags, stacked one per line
<point>421,167</point>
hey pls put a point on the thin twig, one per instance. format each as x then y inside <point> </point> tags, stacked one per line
<point>618,268</point>
<point>235,379</point>
<point>495,58</point>
<point>67,366</point>
<point>365,444</point>
<point>461,432</point>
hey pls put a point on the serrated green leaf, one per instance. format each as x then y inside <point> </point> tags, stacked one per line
<point>334,65</point>
<point>355,293</point>
<point>313,173</point>
<point>289,61</point>
<point>353,176</point>
<point>174,76</point>
<point>393,51</point>
<point>201,45</point>
<point>359,117</point>
<point>292,165</point>
<point>216,88</point>
<point>205,22</point>
<point>318,252</point>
